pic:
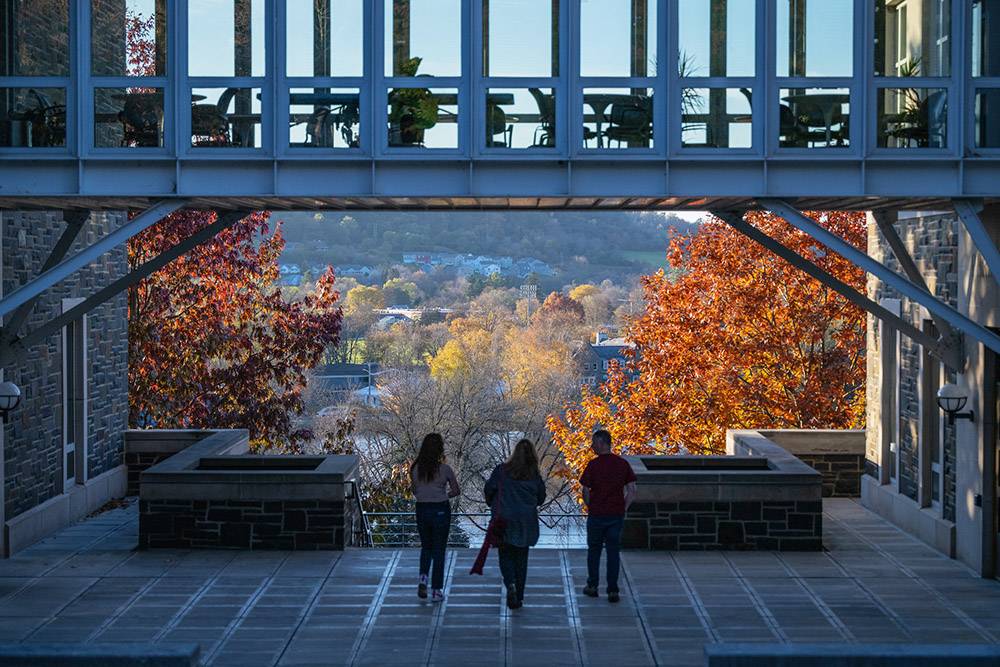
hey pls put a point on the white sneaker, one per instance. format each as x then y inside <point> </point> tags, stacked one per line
<point>437,596</point>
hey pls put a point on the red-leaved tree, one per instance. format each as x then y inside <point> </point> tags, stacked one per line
<point>212,341</point>
<point>738,339</point>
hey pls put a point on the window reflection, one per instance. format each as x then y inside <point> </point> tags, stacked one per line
<point>520,118</point>
<point>34,39</point>
<point>521,38</point>
<point>988,118</point>
<point>986,38</point>
<point>128,37</point>
<point>617,118</point>
<point>336,46</point>
<point>225,117</point>
<point>912,37</point>
<point>324,118</point>
<point>814,38</point>
<point>814,117</point>
<point>226,38</point>
<point>912,118</point>
<point>32,117</point>
<point>716,37</point>
<point>423,37</point>
<point>716,117</point>
<point>423,118</point>
<point>618,38</point>
<point>128,117</point>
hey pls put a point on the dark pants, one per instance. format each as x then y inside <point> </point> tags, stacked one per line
<point>433,522</point>
<point>514,567</point>
<point>604,532</point>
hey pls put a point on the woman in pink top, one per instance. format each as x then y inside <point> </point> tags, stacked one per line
<point>433,483</point>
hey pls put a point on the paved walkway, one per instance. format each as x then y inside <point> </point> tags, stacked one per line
<point>874,583</point>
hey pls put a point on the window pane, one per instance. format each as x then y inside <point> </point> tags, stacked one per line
<point>128,117</point>
<point>32,117</point>
<point>814,38</point>
<point>521,118</point>
<point>423,37</point>
<point>912,118</point>
<point>70,462</point>
<point>225,117</point>
<point>716,38</point>
<point>618,38</point>
<point>912,37</point>
<point>324,118</point>
<point>226,38</point>
<point>988,118</point>
<point>337,44</point>
<point>716,117</point>
<point>617,118</point>
<point>814,117</point>
<point>128,37</point>
<point>986,38</point>
<point>521,38</point>
<point>423,118</point>
<point>34,40</point>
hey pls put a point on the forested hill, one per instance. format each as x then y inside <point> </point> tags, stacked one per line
<point>559,238</point>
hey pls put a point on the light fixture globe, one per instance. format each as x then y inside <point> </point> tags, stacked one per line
<point>951,399</point>
<point>10,398</point>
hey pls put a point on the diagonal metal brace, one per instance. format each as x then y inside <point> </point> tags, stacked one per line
<point>736,221</point>
<point>207,233</point>
<point>968,211</point>
<point>75,220</point>
<point>884,273</point>
<point>63,270</point>
<point>948,336</point>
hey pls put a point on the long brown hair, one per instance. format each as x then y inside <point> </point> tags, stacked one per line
<point>523,463</point>
<point>430,458</point>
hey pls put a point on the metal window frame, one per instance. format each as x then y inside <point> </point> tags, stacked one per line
<point>77,356</point>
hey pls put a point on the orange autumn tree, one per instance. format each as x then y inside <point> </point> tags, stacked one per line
<point>213,343</point>
<point>738,339</point>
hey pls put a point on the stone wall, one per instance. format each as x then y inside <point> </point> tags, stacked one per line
<point>841,473</point>
<point>144,448</point>
<point>33,438</point>
<point>837,454</point>
<point>303,525</point>
<point>932,240</point>
<point>770,525</point>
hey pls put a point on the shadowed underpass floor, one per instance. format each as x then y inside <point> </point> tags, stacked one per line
<point>874,584</point>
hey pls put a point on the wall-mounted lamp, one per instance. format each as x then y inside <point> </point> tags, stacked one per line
<point>951,398</point>
<point>10,398</point>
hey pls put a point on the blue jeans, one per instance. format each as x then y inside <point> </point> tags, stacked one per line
<point>604,532</point>
<point>433,522</point>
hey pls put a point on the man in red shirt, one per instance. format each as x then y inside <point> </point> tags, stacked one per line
<point>608,489</point>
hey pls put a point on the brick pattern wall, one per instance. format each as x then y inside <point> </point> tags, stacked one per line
<point>841,473</point>
<point>746,525</point>
<point>301,525</point>
<point>33,438</point>
<point>136,462</point>
<point>933,244</point>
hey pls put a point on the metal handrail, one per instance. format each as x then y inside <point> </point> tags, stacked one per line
<point>399,529</point>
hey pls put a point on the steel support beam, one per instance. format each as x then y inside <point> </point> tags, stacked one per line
<point>882,272</point>
<point>63,270</point>
<point>736,221</point>
<point>19,346</point>
<point>968,212</point>
<point>951,340</point>
<point>74,223</point>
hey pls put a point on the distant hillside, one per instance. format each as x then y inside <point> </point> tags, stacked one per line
<point>581,245</point>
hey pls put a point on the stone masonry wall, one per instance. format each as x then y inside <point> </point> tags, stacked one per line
<point>302,525</point>
<point>136,462</point>
<point>33,438</point>
<point>841,473</point>
<point>745,525</point>
<point>933,243</point>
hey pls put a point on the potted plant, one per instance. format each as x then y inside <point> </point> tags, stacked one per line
<point>411,110</point>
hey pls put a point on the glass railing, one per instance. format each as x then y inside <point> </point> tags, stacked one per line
<point>399,530</point>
